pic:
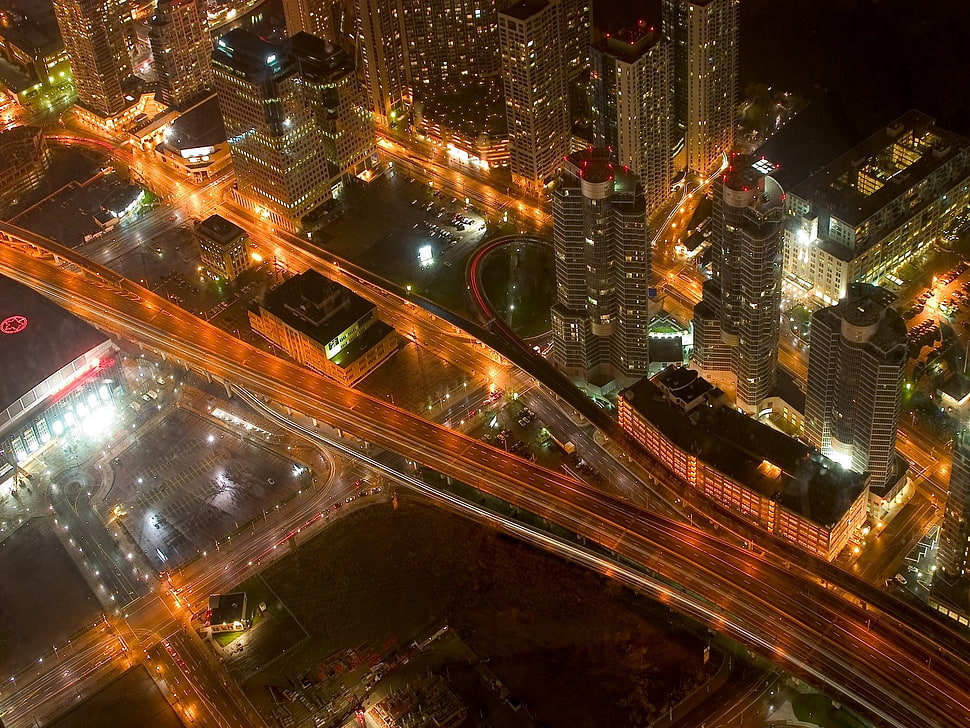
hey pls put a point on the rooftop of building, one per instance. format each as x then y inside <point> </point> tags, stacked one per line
<point>308,289</point>
<point>812,139</point>
<point>788,390</point>
<point>320,58</point>
<point>864,306</point>
<point>13,78</point>
<point>256,59</point>
<point>476,108</point>
<point>595,165</point>
<point>199,126</point>
<point>227,608</point>
<point>629,44</point>
<point>19,145</point>
<point>745,172</point>
<point>219,229</point>
<point>765,460</point>
<point>956,387</point>
<point>37,339</point>
<point>872,174</point>
<point>525,9</point>
<point>34,32</point>
<point>122,198</point>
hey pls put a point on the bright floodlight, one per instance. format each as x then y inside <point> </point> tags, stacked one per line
<point>425,256</point>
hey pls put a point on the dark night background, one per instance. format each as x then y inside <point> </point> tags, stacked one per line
<point>869,59</point>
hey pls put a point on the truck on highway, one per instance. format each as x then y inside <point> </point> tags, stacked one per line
<point>566,446</point>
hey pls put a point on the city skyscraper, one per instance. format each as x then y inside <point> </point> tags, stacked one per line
<point>281,171</point>
<point>630,77</point>
<point>94,33</point>
<point>536,92</point>
<point>704,49</point>
<point>182,51</point>
<point>576,20</point>
<point>600,321</point>
<point>674,26</point>
<point>381,50</point>
<point>953,557</point>
<point>736,324</point>
<point>855,370</point>
<point>345,129</point>
<point>451,42</point>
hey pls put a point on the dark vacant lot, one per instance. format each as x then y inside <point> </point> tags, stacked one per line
<point>131,701</point>
<point>574,647</point>
<point>44,600</point>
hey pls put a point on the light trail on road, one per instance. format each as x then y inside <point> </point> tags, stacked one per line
<point>911,677</point>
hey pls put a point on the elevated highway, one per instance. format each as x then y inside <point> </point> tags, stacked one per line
<point>902,670</point>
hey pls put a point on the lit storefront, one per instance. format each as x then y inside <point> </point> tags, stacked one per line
<point>60,377</point>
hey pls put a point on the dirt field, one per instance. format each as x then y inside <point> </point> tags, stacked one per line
<point>43,601</point>
<point>576,649</point>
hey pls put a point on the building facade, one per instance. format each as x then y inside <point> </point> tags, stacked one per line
<point>756,471</point>
<point>281,172</point>
<point>451,43</point>
<point>855,371</point>
<point>25,158</point>
<point>223,247</point>
<point>345,129</point>
<point>182,51</point>
<point>325,327</point>
<point>739,316</point>
<point>316,17</point>
<point>536,91</point>
<point>712,28</point>
<point>953,557</point>
<point>874,208</point>
<point>631,83</point>
<point>95,36</point>
<point>600,320</point>
<point>382,58</point>
<point>59,375</point>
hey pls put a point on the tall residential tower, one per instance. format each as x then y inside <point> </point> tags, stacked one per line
<point>855,371</point>
<point>736,324</point>
<point>631,95</point>
<point>382,54</point>
<point>600,321</point>
<point>536,91</point>
<point>953,558</point>
<point>704,47</point>
<point>182,50</point>
<point>95,37</point>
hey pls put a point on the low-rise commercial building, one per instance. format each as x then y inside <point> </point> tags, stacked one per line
<point>228,612</point>
<point>773,480</point>
<point>469,124</point>
<point>58,375</point>
<point>194,143</point>
<point>877,206</point>
<point>325,327</point>
<point>222,247</point>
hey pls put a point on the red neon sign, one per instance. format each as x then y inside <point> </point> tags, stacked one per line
<point>13,324</point>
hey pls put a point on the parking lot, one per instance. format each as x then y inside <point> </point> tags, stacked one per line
<point>188,482</point>
<point>405,231</point>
